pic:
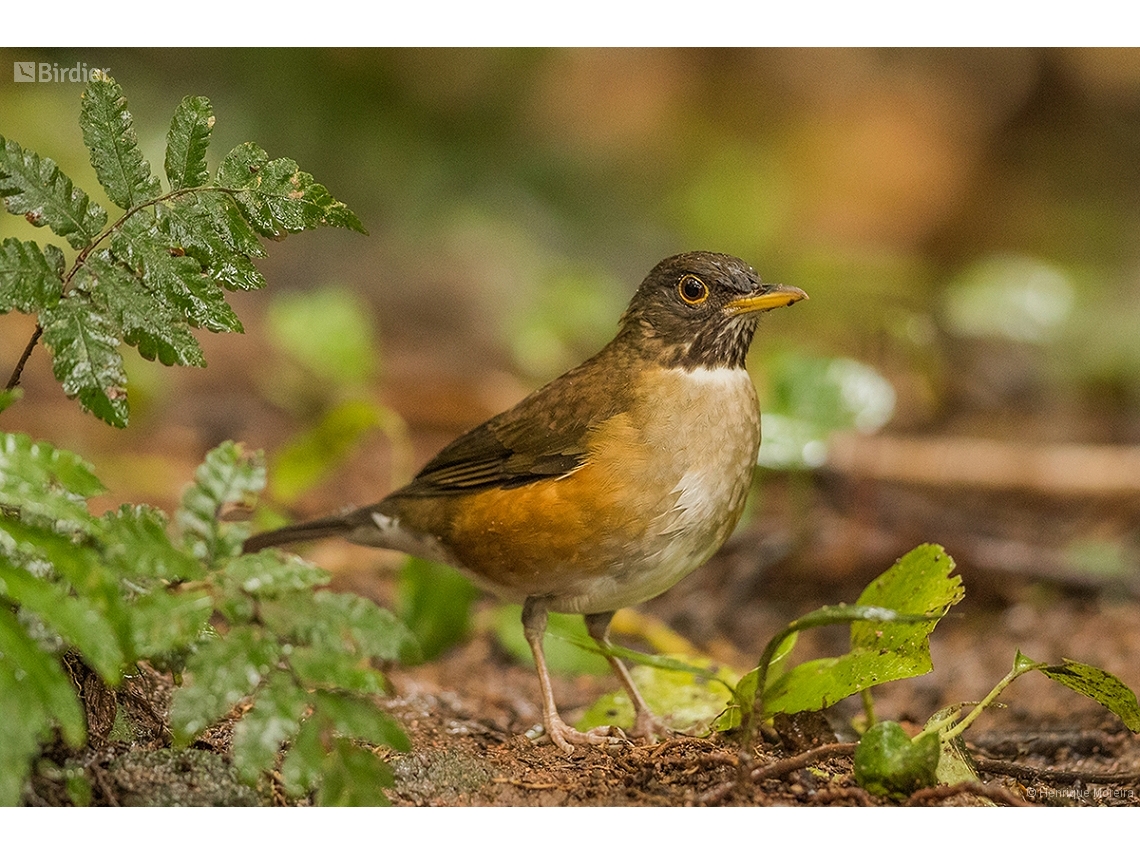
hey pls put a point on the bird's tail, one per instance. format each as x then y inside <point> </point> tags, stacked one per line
<point>335,526</point>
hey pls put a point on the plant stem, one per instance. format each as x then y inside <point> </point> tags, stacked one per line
<point>14,380</point>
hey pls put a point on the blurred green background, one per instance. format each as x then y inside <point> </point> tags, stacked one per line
<point>965,222</point>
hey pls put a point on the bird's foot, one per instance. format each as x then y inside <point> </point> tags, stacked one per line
<point>566,737</point>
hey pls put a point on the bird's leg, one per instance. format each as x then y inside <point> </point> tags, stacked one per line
<point>560,733</point>
<point>645,725</point>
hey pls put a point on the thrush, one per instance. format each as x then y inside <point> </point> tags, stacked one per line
<point>608,485</point>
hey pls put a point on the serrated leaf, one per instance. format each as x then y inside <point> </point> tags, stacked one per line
<point>325,668</point>
<point>1106,689</point>
<point>228,476</point>
<point>45,482</point>
<point>301,768</point>
<point>176,279</point>
<point>352,776</point>
<point>22,725</point>
<point>138,547</point>
<point>278,708</point>
<point>187,141</point>
<point>109,134</point>
<point>163,621</point>
<point>219,675</point>
<point>36,188</point>
<point>358,718</point>
<point>37,678</point>
<point>76,619</point>
<point>276,197</point>
<point>209,228</point>
<point>270,573</point>
<point>339,621</point>
<point>85,357</point>
<point>30,278</point>
<point>145,319</point>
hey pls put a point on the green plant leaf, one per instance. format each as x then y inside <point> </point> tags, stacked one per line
<point>339,621</point>
<point>219,674</point>
<point>1106,689</point>
<point>435,604</point>
<point>358,718</point>
<point>326,668</point>
<point>327,330</point>
<point>352,776</point>
<point>23,724</point>
<point>567,646</point>
<point>187,141</point>
<point>46,483</point>
<point>35,188</point>
<point>9,396</point>
<point>228,476</point>
<point>208,227</point>
<point>307,458</point>
<point>165,622</point>
<point>137,545</point>
<point>77,619</point>
<point>85,357</point>
<point>144,317</point>
<point>109,134</point>
<point>276,197</point>
<point>917,590</point>
<point>37,677</point>
<point>278,708</point>
<point>270,573</point>
<point>175,278</point>
<point>301,768</point>
<point>889,763</point>
<point>30,279</point>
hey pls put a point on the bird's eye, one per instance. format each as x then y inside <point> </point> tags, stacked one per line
<point>692,290</point>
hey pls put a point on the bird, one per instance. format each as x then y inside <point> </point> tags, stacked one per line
<point>606,486</point>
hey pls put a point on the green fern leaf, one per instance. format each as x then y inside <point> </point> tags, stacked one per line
<point>277,197</point>
<point>145,318</point>
<point>46,483</point>
<point>187,141</point>
<point>34,187</point>
<point>169,276</point>
<point>85,357</point>
<point>210,229</point>
<point>29,278</point>
<point>109,133</point>
<point>229,475</point>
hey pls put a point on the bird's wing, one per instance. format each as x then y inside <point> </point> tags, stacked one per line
<point>543,436</point>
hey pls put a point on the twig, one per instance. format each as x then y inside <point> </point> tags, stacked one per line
<point>1061,776</point>
<point>777,769</point>
<point>14,380</point>
<point>975,788</point>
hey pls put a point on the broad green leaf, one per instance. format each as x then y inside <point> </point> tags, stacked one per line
<point>219,674</point>
<point>77,619</point>
<point>567,646</point>
<point>45,482</point>
<point>276,197</point>
<point>35,188</point>
<point>882,649</point>
<point>339,622</point>
<point>137,545</point>
<point>109,133</point>
<point>278,708</point>
<point>685,701</point>
<point>146,319</point>
<point>955,765</point>
<point>270,573</point>
<point>328,331</point>
<point>30,279</point>
<point>1104,688</point>
<point>228,476</point>
<point>85,357</point>
<point>358,718</point>
<point>352,776</point>
<point>435,604</point>
<point>187,141</point>
<point>177,279</point>
<point>40,680</point>
<point>9,396</point>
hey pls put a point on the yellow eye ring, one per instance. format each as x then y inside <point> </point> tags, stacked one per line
<point>692,290</point>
